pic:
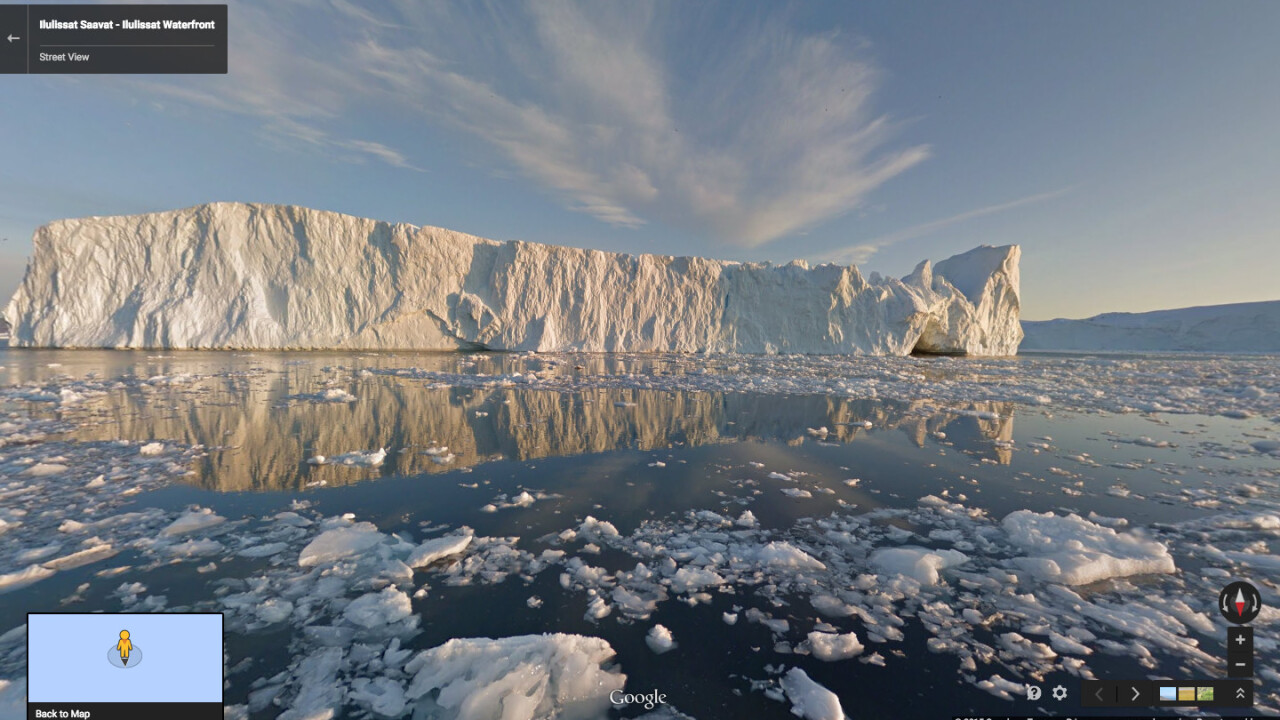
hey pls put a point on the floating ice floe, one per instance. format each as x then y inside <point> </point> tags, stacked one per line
<point>340,542</point>
<point>438,548</point>
<point>329,395</point>
<point>1075,551</point>
<point>45,469</point>
<point>659,639</point>
<point>355,458</point>
<point>522,500</point>
<point>515,678</point>
<point>810,700</point>
<point>830,647</point>
<point>195,520</point>
<point>919,564</point>
<point>374,609</point>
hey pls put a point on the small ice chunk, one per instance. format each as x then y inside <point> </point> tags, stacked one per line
<point>13,697</point>
<point>437,548</point>
<point>91,554</point>
<point>274,610</point>
<point>200,519</point>
<point>831,606</point>
<point>37,553</point>
<point>357,458</point>
<point>22,578</point>
<point>264,550</point>
<point>659,640</point>
<point>381,608</point>
<point>692,579</point>
<point>339,543</point>
<point>1270,447</point>
<point>45,469</point>
<point>195,548</point>
<point>830,647</point>
<point>597,609</point>
<point>593,529</point>
<point>319,693</point>
<point>515,678</point>
<point>810,700</point>
<point>1073,551</point>
<point>918,563</point>
<point>152,448</point>
<point>383,696</point>
<point>784,554</point>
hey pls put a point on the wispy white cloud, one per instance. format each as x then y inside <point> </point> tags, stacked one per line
<point>288,76</point>
<point>628,112</point>
<point>861,252</point>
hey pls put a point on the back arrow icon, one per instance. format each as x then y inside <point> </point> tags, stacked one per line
<point>12,38</point>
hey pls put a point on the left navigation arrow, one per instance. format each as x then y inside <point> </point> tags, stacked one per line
<point>13,37</point>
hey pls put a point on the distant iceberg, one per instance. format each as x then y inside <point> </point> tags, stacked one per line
<point>248,276</point>
<point>1240,327</point>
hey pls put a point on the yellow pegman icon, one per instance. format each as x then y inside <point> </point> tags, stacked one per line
<point>124,646</point>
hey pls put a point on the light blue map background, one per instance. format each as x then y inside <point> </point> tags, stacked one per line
<point>68,661</point>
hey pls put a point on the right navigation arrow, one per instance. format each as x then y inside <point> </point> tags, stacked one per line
<point>1136,694</point>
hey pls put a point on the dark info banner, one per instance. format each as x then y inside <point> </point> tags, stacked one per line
<point>113,39</point>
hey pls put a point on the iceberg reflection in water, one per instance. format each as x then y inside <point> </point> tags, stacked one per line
<point>259,426</point>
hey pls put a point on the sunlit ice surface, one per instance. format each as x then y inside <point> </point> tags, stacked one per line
<point>743,535</point>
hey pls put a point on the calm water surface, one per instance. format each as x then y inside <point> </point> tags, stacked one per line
<point>625,455</point>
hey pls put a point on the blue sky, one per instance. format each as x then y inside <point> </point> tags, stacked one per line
<point>1130,148</point>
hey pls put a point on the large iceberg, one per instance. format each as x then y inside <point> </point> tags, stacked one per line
<point>248,276</point>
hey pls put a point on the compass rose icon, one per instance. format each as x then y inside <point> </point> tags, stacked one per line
<point>1239,602</point>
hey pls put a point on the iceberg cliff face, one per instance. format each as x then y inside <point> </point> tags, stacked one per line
<point>243,276</point>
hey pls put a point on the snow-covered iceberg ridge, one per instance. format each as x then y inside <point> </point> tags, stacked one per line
<point>248,276</point>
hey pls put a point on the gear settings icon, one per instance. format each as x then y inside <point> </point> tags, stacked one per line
<point>1059,693</point>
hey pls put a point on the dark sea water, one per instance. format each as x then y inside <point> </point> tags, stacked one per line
<point>649,439</point>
